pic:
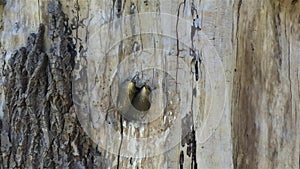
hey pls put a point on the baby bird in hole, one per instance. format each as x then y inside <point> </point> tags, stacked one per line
<point>139,95</point>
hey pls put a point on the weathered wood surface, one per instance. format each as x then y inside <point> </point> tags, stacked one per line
<point>265,105</point>
<point>257,44</point>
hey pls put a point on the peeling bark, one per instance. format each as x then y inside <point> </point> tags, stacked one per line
<point>42,130</point>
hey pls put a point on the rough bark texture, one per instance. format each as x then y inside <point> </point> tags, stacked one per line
<point>40,129</point>
<point>44,43</point>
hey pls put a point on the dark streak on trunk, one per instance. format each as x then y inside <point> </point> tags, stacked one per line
<point>119,8</point>
<point>181,160</point>
<point>120,146</point>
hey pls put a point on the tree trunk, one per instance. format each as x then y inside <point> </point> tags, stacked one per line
<point>222,79</point>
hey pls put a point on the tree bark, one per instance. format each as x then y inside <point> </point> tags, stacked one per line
<point>265,113</point>
<point>65,66</point>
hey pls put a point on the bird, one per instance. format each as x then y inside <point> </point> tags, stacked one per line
<point>138,93</point>
<point>140,100</point>
<point>132,89</point>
